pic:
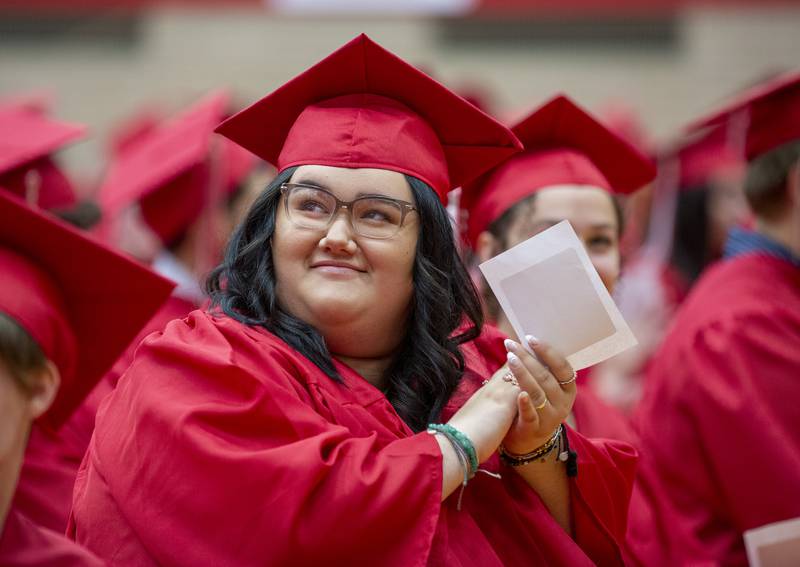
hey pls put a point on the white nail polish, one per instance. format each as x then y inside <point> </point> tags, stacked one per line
<point>512,358</point>
<point>531,340</point>
<point>509,344</point>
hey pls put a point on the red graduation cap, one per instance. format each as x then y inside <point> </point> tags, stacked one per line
<point>26,141</point>
<point>167,172</point>
<point>82,302</point>
<point>564,145</point>
<point>133,130</point>
<point>362,106</point>
<point>704,154</point>
<point>236,163</point>
<point>770,112</point>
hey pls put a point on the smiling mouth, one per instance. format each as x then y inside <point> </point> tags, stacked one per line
<point>336,268</point>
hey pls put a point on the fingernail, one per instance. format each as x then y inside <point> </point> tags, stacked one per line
<point>513,360</point>
<point>509,344</point>
<point>533,341</point>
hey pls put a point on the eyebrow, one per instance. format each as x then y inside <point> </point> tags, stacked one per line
<point>314,183</point>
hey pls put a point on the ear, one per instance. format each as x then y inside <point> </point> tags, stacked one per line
<point>44,389</point>
<point>486,246</point>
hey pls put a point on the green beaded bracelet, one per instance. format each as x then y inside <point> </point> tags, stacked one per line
<point>463,441</point>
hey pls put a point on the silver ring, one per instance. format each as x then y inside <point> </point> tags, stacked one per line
<point>571,379</point>
<point>508,377</point>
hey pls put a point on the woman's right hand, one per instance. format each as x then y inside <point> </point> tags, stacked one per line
<point>487,416</point>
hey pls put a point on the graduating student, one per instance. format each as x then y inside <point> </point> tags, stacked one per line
<point>572,168</point>
<point>710,203</point>
<point>68,307</point>
<point>29,139</point>
<point>164,173</point>
<point>289,424</point>
<point>163,199</point>
<point>719,416</point>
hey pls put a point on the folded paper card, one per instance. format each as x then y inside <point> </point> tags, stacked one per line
<point>548,288</point>
<point>774,545</point>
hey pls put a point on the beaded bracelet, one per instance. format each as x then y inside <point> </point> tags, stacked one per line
<point>458,439</point>
<point>465,451</point>
<point>541,452</point>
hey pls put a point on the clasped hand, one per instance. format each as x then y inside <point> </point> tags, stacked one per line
<point>505,410</point>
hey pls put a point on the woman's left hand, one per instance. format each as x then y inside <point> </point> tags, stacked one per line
<point>548,392</point>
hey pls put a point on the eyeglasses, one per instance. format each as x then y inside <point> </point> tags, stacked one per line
<point>312,207</point>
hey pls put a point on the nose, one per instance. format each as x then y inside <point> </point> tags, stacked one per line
<point>339,235</point>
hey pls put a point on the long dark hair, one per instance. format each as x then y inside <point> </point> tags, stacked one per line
<point>428,365</point>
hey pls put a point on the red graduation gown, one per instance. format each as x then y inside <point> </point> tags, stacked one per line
<point>44,492</point>
<point>24,544</point>
<point>223,446</point>
<point>649,523</point>
<point>719,420</point>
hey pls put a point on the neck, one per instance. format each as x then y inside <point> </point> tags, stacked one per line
<point>373,370</point>
<point>784,231</point>
<point>10,465</point>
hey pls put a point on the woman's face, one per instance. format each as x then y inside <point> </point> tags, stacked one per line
<point>590,211</point>
<point>355,290</point>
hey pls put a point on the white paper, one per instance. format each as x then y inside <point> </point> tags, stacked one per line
<point>774,545</point>
<point>548,288</point>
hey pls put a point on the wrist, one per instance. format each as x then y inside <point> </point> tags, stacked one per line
<point>550,444</point>
<point>528,445</point>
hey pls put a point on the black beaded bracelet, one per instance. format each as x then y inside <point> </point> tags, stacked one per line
<point>539,453</point>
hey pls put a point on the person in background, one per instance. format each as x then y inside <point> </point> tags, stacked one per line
<point>697,199</point>
<point>710,203</point>
<point>60,330</point>
<point>718,418</point>
<point>28,167</point>
<point>28,170</point>
<point>573,168</point>
<point>331,407</point>
<point>177,181</point>
<point>165,203</point>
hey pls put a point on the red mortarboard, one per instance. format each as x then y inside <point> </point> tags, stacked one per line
<point>133,130</point>
<point>564,145</point>
<point>167,173</point>
<point>771,113</point>
<point>26,140</point>
<point>362,106</point>
<point>80,301</point>
<point>237,163</point>
<point>701,156</point>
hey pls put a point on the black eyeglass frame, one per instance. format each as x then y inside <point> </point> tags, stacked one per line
<point>405,207</point>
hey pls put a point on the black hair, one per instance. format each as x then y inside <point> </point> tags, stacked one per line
<point>690,252</point>
<point>428,366</point>
<point>766,181</point>
<point>19,353</point>
<point>84,215</point>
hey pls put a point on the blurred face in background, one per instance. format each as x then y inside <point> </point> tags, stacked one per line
<point>727,208</point>
<point>590,211</point>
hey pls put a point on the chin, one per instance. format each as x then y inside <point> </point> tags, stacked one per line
<point>337,309</point>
